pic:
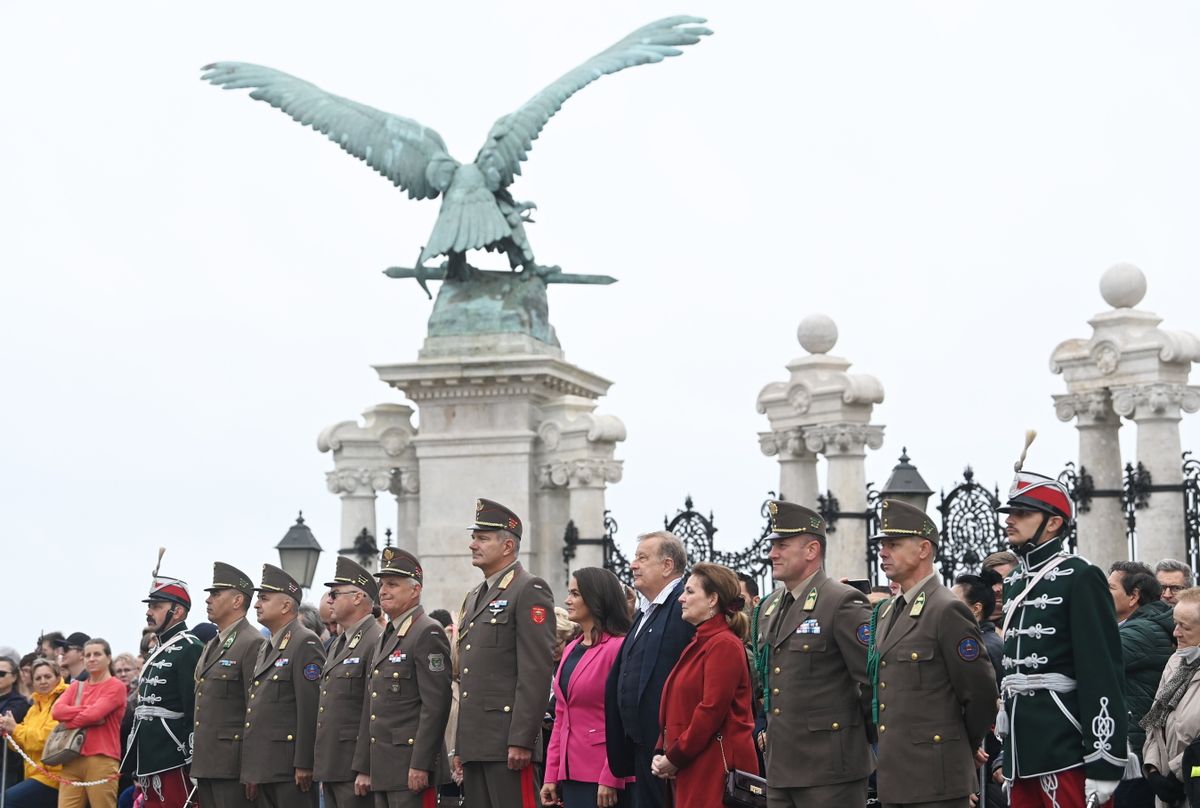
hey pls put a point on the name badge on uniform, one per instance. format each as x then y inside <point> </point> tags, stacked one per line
<point>351,660</point>
<point>809,626</point>
<point>279,663</point>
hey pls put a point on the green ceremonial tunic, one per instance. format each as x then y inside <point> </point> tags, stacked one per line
<point>1065,627</point>
<point>162,723</point>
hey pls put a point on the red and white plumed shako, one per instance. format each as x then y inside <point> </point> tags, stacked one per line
<point>1036,492</point>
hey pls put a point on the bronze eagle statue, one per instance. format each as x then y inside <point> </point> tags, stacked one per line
<point>478,211</point>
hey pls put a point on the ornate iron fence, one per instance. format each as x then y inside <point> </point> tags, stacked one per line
<point>971,529</point>
<point>1191,508</point>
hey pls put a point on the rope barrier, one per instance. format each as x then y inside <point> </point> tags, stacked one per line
<point>60,780</point>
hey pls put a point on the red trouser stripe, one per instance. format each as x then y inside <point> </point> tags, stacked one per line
<point>528,792</point>
<point>429,798</point>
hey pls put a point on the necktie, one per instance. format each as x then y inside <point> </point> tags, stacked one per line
<point>896,609</point>
<point>785,605</point>
<point>481,598</point>
<point>213,644</point>
<point>341,643</point>
<point>387,633</point>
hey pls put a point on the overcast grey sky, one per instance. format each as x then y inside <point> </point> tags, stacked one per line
<point>192,287</point>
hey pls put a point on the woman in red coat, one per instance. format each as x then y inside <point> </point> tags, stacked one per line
<point>708,694</point>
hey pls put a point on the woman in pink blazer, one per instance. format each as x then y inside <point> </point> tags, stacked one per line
<point>577,770</point>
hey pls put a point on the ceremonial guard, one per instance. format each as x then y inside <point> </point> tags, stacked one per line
<point>352,595</point>
<point>505,656</point>
<point>161,738</point>
<point>401,752</point>
<point>221,681</point>
<point>1064,704</point>
<point>814,664</point>
<point>934,690</point>
<point>281,714</point>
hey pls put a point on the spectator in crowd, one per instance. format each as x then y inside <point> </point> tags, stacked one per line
<point>650,651</point>
<point>37,790</point>
<point>146,646</point>
<point>100,707</point>
<point>51,645</point>
<point>706,717</point>
<point>310,618</point>
<point>328,622</point>
<point>12,703</point>
<point>1002,564</point>
<point>631,600</point>
<point>72,663</point>
<point>126,669</point>
<point>577,769</point>
<point>1173,720</point>
<point>1174,577</point>
<point>974,591</point>
<point>565,630</point>
<point>748,586</point>
<point>442,616</point>
<point>1146,627</point>
<point>27,674</point>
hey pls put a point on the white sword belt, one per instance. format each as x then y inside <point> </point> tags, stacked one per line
<point>147,711</point>
<point>1025,684</point>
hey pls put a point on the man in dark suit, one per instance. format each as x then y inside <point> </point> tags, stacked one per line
<point>650,650</point>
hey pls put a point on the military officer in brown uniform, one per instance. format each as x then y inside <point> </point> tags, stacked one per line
<point>281,714</point>
<point>815,636</point>
<point>221,681</point>
<point>935,690</point>
<point>352,595</point>
<point>401,750</point>
<point>505,657</point>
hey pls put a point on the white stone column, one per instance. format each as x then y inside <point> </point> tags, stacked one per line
<point>797,465</point>
<point>357,488</point>
<point>406,488</point>
<point>844,445</point>
<point>1157,409</point>
<point>1102,527</point>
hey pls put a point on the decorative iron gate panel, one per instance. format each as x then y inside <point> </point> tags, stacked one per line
<point>971,529</point>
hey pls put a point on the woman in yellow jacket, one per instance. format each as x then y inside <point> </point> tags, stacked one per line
<point>36,790</point>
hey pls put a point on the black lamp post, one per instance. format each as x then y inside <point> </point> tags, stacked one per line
<point>906,484</point>
<point>298,552</point>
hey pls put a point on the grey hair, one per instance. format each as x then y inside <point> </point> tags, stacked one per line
<point>1171,565</point>
<point>670,547</point>
<point>311,618</point>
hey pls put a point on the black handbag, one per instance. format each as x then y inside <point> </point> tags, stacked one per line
<point>742,789</point>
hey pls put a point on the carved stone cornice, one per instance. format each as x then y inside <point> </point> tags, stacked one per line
<point>1092,408</point>
<point>1157,400</point>
<point>843,439</point>
<point>600,429</point>
<point>787,444</point>
<point>358,481</point>
<point>592,472</point>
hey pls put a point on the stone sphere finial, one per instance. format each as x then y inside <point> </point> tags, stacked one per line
<point>1123,286</point>
<point>817,334</point>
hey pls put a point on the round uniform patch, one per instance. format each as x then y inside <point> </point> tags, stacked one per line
<point>968,649</point>
<point>863,634</point>
<point>538,614</point>
<point>312,671</point>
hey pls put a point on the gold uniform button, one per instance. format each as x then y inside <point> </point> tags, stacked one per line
<point>237,737</point>
<point>289,737</point>
<point>375,672</point>
<point>937,738</point>
<point>374,694</point>
<point>324,692</point>
<point>507,709</point>
<point>883,684</point>
<point>201,678</point>
<point>372,740</point>
<point>395,675</point>
<point>915,656</point>
<point>804,647</point>
<point>836,725</point>
<point>466,670</point>
<point>468,647</point>
<point>882,707</point>
<point>882,728</point>
<point>465,694</point>
<point>775,692</point>
<point>256,683</point>
<point>197,723</point>
<point>411,741</point>
<point>471,624</point>
<point>777,670</point>
<point>251,695</point>
<point>247,725</point>
<point>493,620</point>
<point>320,709</point>
<point>372,716</point>
<point>276,676</point>
<point>247,709</point>
<point>775,711</point>
<point>883,663</point>
<point>320,724</point>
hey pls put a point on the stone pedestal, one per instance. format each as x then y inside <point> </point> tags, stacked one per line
<point>507,418</point>
<point>1130,368</point>
<point>822,409</point>
<point>1102,527</point>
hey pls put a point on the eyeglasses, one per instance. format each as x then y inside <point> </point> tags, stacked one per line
<point>334,595</point>
<point>1176,588</point>
<point>3,674</point>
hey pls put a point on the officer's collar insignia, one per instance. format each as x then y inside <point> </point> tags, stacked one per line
<point>229,641</point>
<point>283,643</point>
<point>400,632</point>
<point>917,606</point>
<point>507,579</point>
<point>810,602</point>
<point>771,606</point>
<point>354,640</point>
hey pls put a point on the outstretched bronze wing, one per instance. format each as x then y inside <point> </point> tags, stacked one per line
<point>511,137</point>
<point>398,148</point>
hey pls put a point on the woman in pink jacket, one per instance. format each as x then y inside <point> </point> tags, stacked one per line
<point>577,770</point>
